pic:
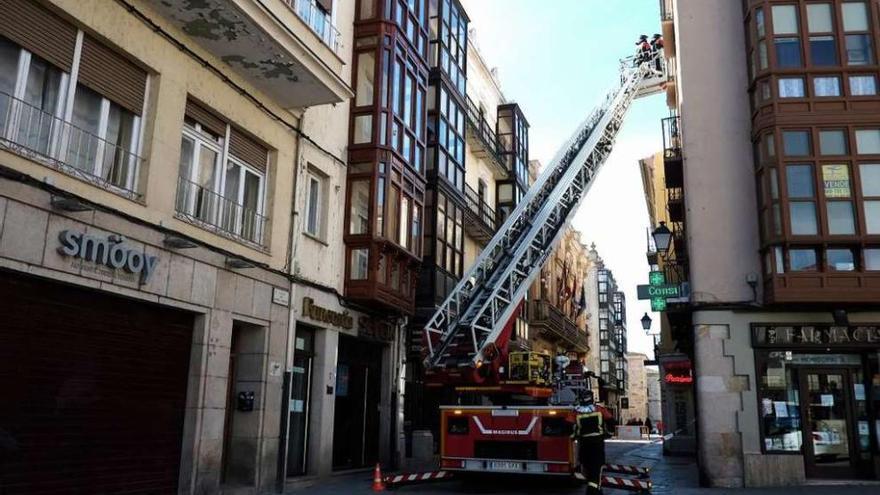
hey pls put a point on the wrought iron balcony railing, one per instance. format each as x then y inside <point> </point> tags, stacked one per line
<point>484,134</point>
<point>480,209</point>
<point>318,20</point>
<point>672,138</point>
<point>55,142</point>
<point>207,208</point>
<point>554,320</point>
<point>666,12</point>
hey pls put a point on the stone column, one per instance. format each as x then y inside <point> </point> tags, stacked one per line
<point>719,400</point>
<point>320,461</point>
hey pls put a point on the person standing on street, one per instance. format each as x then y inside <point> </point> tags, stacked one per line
<point>590,435</point>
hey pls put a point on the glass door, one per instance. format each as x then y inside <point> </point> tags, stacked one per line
<point>300,400</point>
<point>828,435</point>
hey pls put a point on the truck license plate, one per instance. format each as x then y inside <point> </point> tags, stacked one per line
<point>505,466</point>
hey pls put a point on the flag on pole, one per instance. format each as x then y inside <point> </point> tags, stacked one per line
<point>582,304</point>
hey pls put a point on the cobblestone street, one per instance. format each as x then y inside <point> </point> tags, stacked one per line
<point>670,475</point>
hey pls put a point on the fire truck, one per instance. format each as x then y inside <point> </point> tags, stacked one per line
<point>514,412</point>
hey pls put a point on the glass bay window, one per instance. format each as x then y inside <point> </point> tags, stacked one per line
<point>858,38</point>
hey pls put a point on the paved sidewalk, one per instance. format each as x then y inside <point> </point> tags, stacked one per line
<point>670,475</point>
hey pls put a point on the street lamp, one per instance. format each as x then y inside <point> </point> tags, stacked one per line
<point>646,322</point>
<point>662,237</point>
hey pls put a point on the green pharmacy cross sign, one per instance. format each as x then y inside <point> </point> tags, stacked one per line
<point>658,291</point>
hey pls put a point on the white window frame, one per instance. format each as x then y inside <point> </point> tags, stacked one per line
<point>18,93</point>
<point>218,187</point>
<point>312,177</point>
<point>200,140</point>
<point>243,170</point>
<point>60,136</point>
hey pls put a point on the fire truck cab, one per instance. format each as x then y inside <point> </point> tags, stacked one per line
<point>531,433</point>
<point>508,439</point>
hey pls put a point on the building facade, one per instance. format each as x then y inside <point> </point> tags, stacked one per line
<point>663,182</point>
<point>359,210</point>
<point>149,152</point>
<point>655,406</point>
<point>636,389</point>
<point>785,342</point>
<point>557,312</point>
<point>606,309</point>
<point>475,173</point>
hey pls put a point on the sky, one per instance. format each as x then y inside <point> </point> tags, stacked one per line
<point>557,59</point>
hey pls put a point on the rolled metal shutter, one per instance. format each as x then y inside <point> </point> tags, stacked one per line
<point>112,75</point>
<point>248,150</point>
<point>207,118</point>
<point>96,389</point>
<point>39,31</point>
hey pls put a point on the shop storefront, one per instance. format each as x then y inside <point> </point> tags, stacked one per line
<point>677,383</point>
<point>119,349</point>
<point>343,408</point>
<point>819,396</point>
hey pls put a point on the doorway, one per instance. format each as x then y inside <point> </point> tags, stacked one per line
<point>358,392</point>
<point>300,400</point>
<point>829,447</point>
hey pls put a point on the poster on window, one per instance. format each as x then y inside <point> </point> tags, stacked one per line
<point>342,378</point>
<point>836,180</point>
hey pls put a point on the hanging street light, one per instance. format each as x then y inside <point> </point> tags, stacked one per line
<point>646,322</point>
<point>662,237</point>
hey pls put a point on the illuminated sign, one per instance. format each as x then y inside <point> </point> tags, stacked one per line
<point>658,291</point>
<point>676,379</point>
<point>678,372</point>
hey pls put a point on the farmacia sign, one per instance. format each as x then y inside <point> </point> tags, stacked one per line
<point>110,251</point>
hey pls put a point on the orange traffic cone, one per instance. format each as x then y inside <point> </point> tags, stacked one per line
<point>378,485</point>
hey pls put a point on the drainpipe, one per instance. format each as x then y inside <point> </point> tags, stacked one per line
<point>291,320</point>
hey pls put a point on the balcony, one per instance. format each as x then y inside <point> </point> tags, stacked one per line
<point>483,140</point>
<point>553,325</point>
<point>480,220</point>
<point>287,48</point>
<point>56,143</point>
<point>675,203</point>
<point>219,214</point>
<point>318,20</point>
<point>672,152</point>
<point>678,247</point>
<point>667,16</point>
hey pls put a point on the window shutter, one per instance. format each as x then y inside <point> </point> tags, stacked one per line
<point>39,31</point>
<point>327,5</point>
<point>207,118</point>
<point>248,150</point>
<point>112,75</point>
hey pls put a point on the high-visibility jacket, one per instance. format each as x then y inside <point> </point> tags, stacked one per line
<point>588,424</point>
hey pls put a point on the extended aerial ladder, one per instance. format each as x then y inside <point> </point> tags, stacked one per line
<point>471,328</point>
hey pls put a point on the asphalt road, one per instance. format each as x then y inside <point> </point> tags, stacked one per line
<point>508,485</point>
<point>670,475</point>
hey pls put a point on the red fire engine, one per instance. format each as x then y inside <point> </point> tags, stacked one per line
<point>526,425</point>
<point>515,411</point>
